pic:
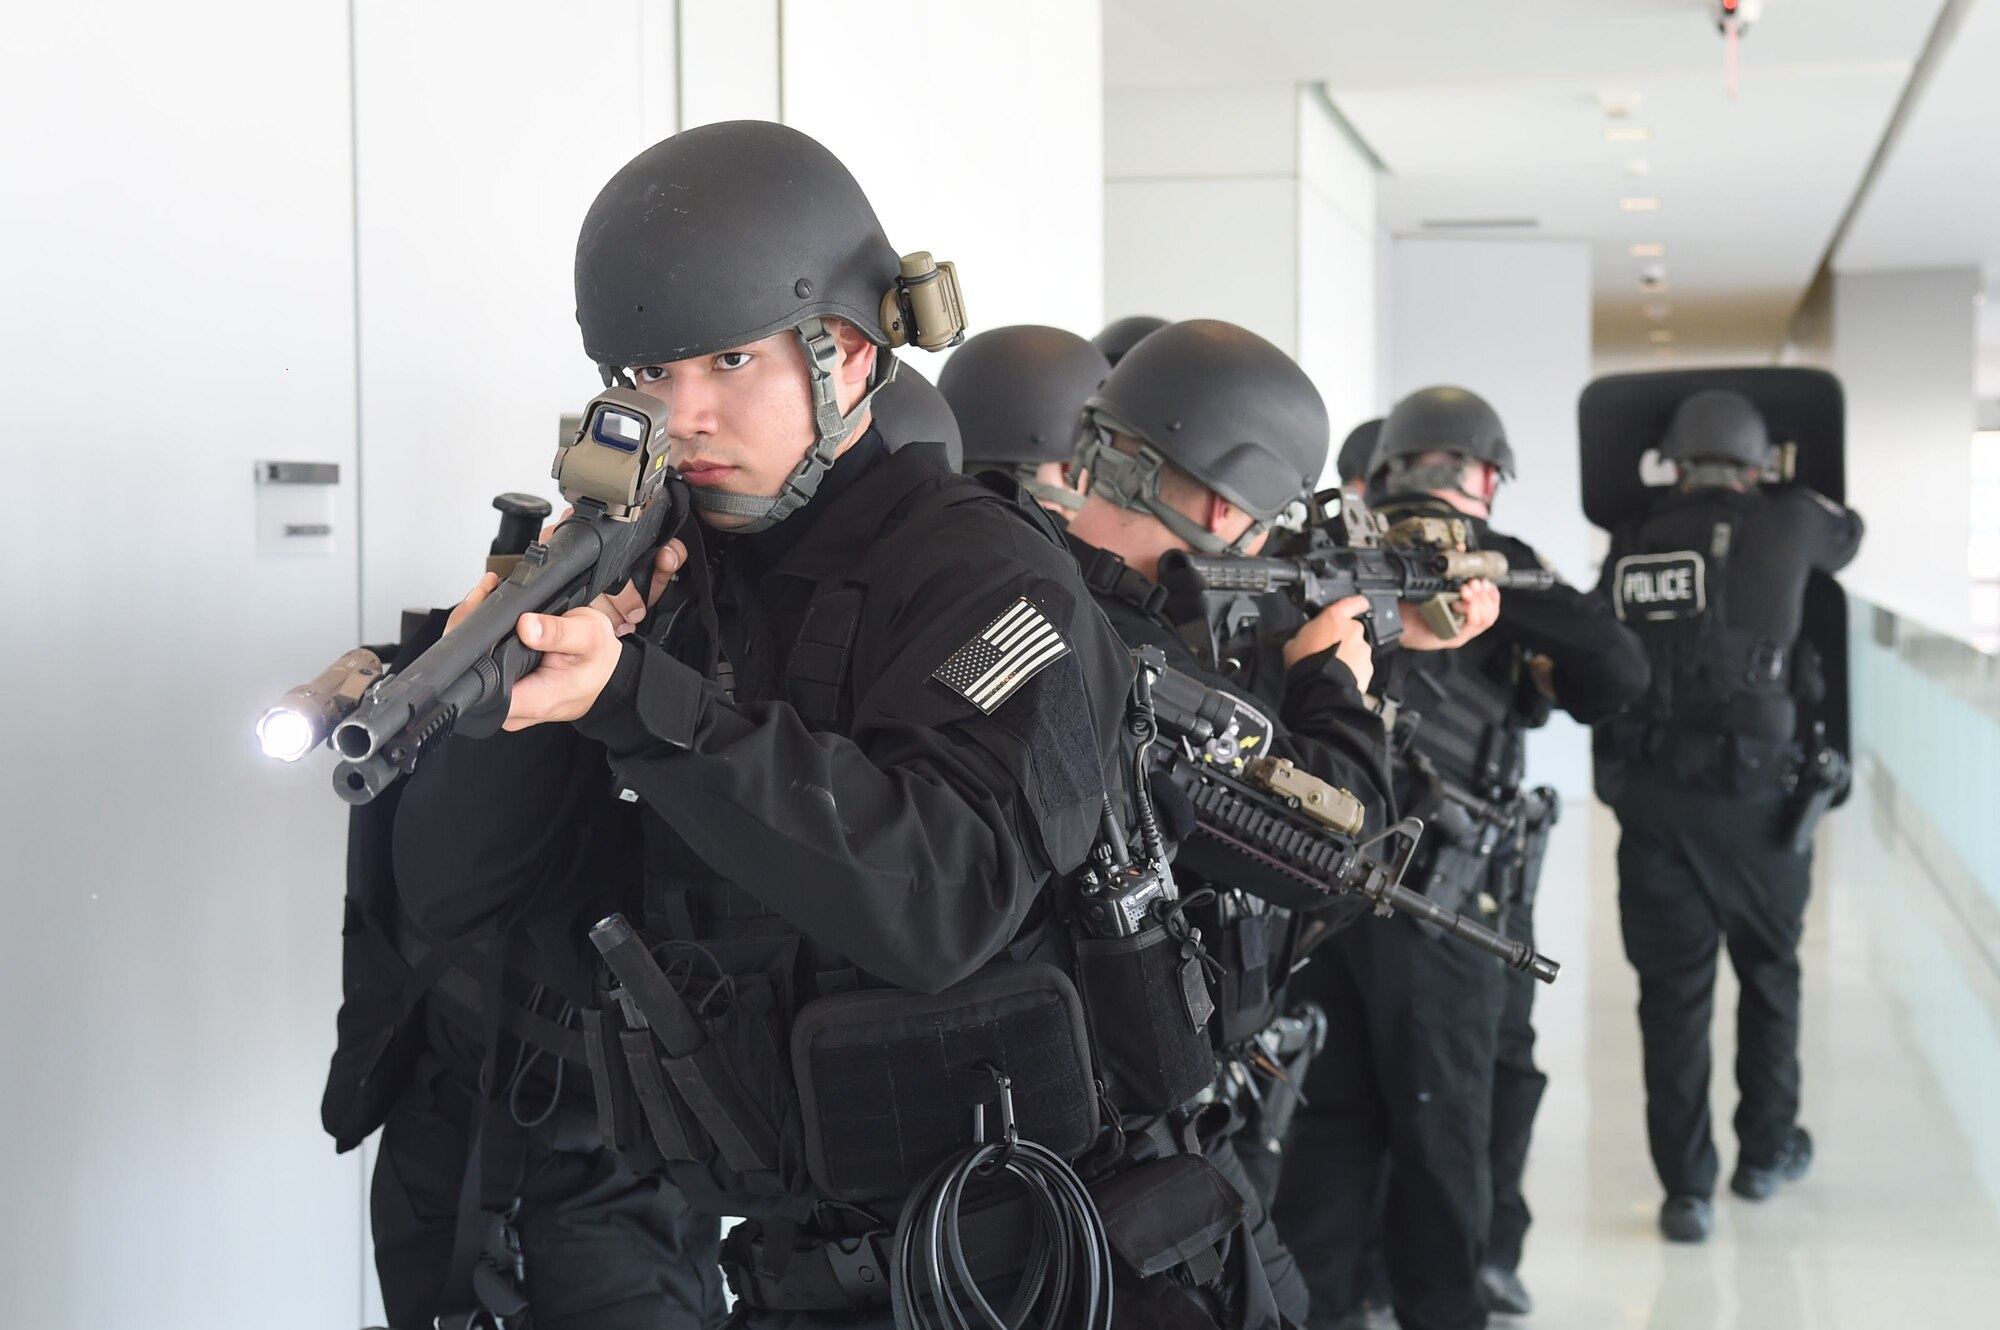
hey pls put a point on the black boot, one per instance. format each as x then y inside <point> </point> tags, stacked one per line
<point>1687,1218</point>
<point>1505,1294</point>
<point>1755,1182</point>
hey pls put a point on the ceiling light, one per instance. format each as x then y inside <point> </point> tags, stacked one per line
<point>1619,103</point>
<point>1639,203</point>
<point>1661,335</point>
<point>1638,166</point>
<point>1657,312</point>
<point>1627,133</point>
<point>1649,251</point>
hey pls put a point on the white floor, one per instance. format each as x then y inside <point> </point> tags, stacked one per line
<point>1898,1223</point>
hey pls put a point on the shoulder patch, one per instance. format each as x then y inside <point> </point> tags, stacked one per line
<point>1002,656</point>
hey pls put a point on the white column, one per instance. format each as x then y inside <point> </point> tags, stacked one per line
<point>1510,320</point>
<point>1906,350</point>
<point>1249,204</point>
<point>987,149</point>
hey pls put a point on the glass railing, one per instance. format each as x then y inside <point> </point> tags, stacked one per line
<point>1927,709</point>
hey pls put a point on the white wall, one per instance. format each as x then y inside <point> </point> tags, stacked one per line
<point>474,173</point>
<point>1248,204</point>
<point>1906,349</point>
<point>1511,321</point>
<point>179,301</point>
<point>987,149</point>
<point>191,187</point>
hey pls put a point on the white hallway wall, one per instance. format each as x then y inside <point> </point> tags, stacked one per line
<point>1511,321</point>
<point>1248,204</point>
<point>1906,347</point>
<point>183,296</point>
<point>177,271</point>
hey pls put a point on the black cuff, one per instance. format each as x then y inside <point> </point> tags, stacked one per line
<point>1325,668</point>
<point>650,698</point>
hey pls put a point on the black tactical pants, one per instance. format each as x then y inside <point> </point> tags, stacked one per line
<point>1406,1076</point>
<point>1697,871</point>
<point>603,1249</point>
<point>1517,1094</point>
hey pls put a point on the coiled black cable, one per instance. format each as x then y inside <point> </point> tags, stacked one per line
<point>1066,1282</point>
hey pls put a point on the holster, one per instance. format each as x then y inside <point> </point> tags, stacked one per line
<point>1822,780</point>
<point>1541,810</point>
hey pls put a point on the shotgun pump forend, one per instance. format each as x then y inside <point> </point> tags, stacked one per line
<point>1281,833</point>
<point>627,502</point>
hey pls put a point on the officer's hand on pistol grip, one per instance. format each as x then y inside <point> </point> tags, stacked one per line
<point>1338,628</point>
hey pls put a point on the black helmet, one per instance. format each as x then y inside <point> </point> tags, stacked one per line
<point>1358,451</point>
<point>1222,404</point>
<point>1442,419</point>
<point>910,409</point>
<point>1020,393</point>
<point>731,232</point>
<point>1121,335</point>
<point>1718,426</point>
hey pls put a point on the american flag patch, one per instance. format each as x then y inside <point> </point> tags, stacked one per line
<point>1008,652</point>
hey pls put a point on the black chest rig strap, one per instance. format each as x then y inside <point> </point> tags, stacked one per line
<point>1107,574</point>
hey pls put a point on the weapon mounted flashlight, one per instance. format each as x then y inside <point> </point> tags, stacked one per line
<point>304,717</point>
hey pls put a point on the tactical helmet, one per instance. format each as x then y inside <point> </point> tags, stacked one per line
<point>1222,404</point>
<point>1121,335</point>
<point>731,232</point>
<point>1019,393</point>
<point>1715,425</point>
<point>910,409</point>
<point>1358,451</point>
<point>1441,419</point>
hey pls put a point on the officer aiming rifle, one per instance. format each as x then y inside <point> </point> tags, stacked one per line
<point>627,504</point>
<point>1351,551</point>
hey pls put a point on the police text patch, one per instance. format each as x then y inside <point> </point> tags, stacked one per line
<point>1008,652</point>
<point>1660,586</point>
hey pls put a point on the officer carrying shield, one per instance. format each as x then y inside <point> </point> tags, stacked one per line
<point>1703,775</point>
<point>1417,1068</point>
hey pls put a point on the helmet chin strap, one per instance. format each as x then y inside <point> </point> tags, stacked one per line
<point>1132,481</point>
<point>831,428</point>
<point>1429,477</point>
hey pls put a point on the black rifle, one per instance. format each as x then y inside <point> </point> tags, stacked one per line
<point>628,503</point>
<point>1270,829</point>
<point>1351,552</point>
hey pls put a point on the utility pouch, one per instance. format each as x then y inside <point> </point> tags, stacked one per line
<point>696,1058</point>
<point>1167,1212</point>
<point>887,1077</point>
<point>1149,1006</point>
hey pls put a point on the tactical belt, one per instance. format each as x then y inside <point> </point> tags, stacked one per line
<point>820,1274</point>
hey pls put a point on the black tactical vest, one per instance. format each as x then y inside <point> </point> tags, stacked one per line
<point>1713,680</point>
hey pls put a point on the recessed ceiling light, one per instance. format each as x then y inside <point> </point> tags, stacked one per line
<point>1627,133</point>
<point>1657,312</point>
<point>1649,251</point>
<point>1661,335</point>
<point>1639,204</point>
<point>1638,166</point>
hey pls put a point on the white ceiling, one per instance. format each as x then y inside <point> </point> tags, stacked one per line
<point>1490,109</point>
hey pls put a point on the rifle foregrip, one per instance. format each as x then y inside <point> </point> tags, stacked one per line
<point>1219,573</point>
